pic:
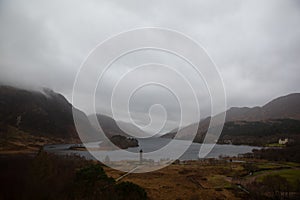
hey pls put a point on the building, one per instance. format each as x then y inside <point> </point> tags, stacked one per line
<point>283,141</point>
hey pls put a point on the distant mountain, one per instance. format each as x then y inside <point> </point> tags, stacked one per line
<point>285,107</point>
<point>280,118</point>
<point>111,127</point>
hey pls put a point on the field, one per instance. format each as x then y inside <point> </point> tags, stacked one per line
<point>189,180</point>
<point>192,180</point>
<point>291,175</point>
<point>198,180</point>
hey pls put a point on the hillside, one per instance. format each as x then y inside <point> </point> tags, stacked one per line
<point>111,127</point>
<point>255,126</point>
<point>40,113</point>
<point>30,119</point>
<point>36,117</point>
<point>285,107</point>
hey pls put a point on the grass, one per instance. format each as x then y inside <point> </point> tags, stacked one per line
<point>291,175</point>
<point>275,145</point>
<point>179,181</point>
<point>218,181</point>
<point>15,141</point>
<point>263,166</point>
<point>266,166</point>
<point>291,164</point>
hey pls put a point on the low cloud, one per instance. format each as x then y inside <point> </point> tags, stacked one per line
<point>255,44</point>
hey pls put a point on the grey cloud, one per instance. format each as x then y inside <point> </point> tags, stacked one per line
<point>255,44</point>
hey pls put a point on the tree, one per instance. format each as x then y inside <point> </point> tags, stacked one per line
<point>128,190</point>
<point>91,182</point>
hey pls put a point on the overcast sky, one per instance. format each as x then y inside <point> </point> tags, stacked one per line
<point>255,44</point>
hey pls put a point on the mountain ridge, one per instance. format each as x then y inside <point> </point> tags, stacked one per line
<point>111,126</point>
<point>284,107</point>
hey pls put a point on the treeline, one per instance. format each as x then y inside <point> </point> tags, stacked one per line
<point>48,176</point>
<point>290,153</point>
<point>259,132</point>
<point>262,128</point>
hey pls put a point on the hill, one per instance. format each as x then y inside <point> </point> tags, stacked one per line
<point>40,113</point>
<point>285,107</point>
<point>254,126</point>
<point>111,127</point>
<point>30,119</point>
<point>27,117</point>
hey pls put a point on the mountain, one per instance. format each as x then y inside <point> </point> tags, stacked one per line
<point>30,119</point>
<point>280,108</point>
<point>111,127</point>
<point>283,107</point>
<point>41,113</point>
<point>255,126</point>
<point>37,117</point>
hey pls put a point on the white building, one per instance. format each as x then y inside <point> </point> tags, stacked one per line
<point>284,141</point>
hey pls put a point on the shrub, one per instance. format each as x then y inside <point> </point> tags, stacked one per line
<point>128,190</point>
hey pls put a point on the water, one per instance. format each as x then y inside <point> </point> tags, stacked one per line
<point>149,145</point>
